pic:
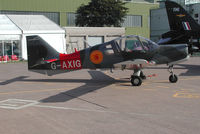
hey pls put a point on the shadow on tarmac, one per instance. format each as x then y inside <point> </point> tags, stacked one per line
<point>192,70</point>
<point>20,78</point>
<point>99,80</point>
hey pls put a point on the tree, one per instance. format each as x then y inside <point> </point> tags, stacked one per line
<point>99,13</point>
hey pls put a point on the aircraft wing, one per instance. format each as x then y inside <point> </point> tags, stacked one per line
<point>134,64</point>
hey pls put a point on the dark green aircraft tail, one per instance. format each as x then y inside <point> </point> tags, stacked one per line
<point>179,19</point>
<point>183,28</point>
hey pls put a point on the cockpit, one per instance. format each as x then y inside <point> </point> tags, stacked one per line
<point>136,43</point>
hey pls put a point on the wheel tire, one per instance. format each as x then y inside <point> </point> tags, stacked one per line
<point>136,80</point>
<point>173,78</point>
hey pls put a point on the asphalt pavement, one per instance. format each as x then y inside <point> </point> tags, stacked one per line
<point>96,102</point>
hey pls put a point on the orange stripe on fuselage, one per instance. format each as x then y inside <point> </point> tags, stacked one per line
<point>70,61</point>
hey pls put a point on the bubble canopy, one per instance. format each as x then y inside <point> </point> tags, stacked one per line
<point>135,43</point>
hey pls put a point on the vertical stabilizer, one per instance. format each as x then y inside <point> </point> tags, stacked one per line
<point>179,19</point>
<point>39,51</point>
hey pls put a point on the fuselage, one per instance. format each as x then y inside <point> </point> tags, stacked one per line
<point>106,55</point>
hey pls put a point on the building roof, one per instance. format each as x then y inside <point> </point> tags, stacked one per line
<point>33,24</point>
<point>30,24</point>
<point>8,27</point>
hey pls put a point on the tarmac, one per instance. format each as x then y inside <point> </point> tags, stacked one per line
<point>100,102</point>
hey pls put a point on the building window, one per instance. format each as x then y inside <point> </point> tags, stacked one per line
<point>71,17</point>
<point>132,21</point>
<point>10,47</point>
<point>95,40</point>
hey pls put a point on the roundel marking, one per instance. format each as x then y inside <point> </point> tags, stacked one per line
<point>96,57</point>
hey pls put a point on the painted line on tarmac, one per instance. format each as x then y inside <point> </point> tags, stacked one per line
<point>185,90</point>
<point>191,78</point>
<point>33,91</point>
<point>97,111</point>
<point>160,81</point>
<point>186,95</point>
<point>33,103</point>
<point>162,86</point>
<point>75,109</point>
<point>89,110</point>
<point>17,104</point>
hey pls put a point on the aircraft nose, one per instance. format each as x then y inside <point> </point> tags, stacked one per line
<point>178,52</point>
<point>183,49</point>
<point>171,53</point>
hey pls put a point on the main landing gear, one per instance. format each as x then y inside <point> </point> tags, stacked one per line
<point>136,78</point>
<point>172,78</point>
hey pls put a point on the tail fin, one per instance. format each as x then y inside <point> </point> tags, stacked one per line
<point>179,19</point>
<point>39,51</point>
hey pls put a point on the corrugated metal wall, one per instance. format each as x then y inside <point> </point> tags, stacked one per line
<point>159,23</point>
<point>132,21</point>
<point>71,19</point>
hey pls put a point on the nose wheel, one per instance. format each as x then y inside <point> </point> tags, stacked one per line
<point>172,78</point>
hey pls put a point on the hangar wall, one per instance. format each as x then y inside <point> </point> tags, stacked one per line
<point>159,23</point>
<point>59,9</point>
<point>195,10</point>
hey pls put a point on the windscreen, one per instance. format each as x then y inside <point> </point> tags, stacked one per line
<point>136,43</point>
<point>132,44</point>
<point>147,44</point>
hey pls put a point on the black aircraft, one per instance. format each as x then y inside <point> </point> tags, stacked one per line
<point>183,28</point>
<point>128,52</point>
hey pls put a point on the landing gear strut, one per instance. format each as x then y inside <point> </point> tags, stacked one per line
<point>136,79</point>
<point>172,78</point>
<point>143,76</point>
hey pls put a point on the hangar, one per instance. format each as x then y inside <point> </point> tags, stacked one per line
<point>63,12</point>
